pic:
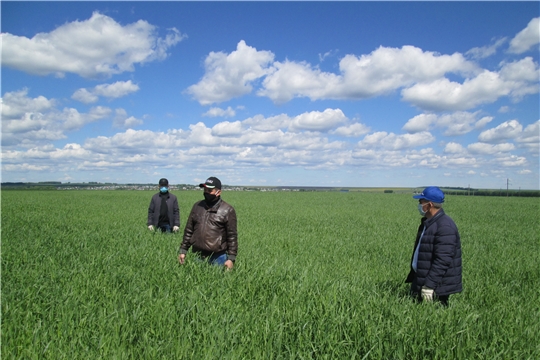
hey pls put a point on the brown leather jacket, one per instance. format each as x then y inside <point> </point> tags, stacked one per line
<point>211,230</point>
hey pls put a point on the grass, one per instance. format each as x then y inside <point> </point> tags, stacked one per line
<point>318,276</point>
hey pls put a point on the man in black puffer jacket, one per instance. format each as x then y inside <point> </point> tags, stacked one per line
<point>436,261</point>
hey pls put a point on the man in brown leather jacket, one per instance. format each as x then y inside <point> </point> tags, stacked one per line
<point>211,228</point>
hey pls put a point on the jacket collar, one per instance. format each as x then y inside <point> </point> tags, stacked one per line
<point>428,222</point>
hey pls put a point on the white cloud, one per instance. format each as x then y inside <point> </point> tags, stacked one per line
<point>227,129</point>
<point>93,48</point>
<point>483,148</point>
<point>115,90</point>
<point>526,38</point>
<point>420,123</point>
<point>230,76</point>
<point>218,112</point>
<point>318,121</point>
<point>486,51</point>
<point>381,72</point>
<point>507,130</point>
<point>454,148</point>
<point>391,141</point>
<point>530,138</point>
<point>122,120</point>
<point>514,79</point>
<point>458,123</point>
<point>34,121</point>
<point>85,96</point>
<point>352,130</point>
<point>16,104</point>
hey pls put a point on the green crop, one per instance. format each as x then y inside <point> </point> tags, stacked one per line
<point>319,275</point>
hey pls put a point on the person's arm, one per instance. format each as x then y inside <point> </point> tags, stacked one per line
<point>232,238</point>
<point>176,215</point>
<point>150,220</point>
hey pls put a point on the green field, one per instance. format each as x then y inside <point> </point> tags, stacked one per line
<point>318,276</point>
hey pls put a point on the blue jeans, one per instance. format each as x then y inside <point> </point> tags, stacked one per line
<point>165,228</point>
<point>215,259</point>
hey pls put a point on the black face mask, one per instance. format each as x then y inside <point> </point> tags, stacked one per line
<point>210,198</point>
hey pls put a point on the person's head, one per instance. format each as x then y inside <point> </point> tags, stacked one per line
<point>212,189</point>
<point>430,201</point>
<point>163,185</point>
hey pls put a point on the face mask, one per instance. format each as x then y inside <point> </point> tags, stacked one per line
<point>209,198</point>
<point>163,189</point>
<point>420,209</point>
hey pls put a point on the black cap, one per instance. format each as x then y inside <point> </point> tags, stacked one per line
<point>211,182</point>
<point>163,182</point>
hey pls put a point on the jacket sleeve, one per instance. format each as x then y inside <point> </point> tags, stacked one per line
<point>151,209</point>
<point>444,250</point>
<point>232,235</point>
<point>188,232</point>
<point>176,213</point>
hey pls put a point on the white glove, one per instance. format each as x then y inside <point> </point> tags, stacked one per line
<point>175,228</point>
<point>427,294</point>
<point>151,227</point>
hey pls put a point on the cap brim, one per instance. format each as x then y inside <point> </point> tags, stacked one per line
<point>206,186</point>
<point>419,197</point>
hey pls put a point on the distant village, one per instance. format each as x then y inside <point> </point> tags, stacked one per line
<point>57,185</point>
<point>53,185</point>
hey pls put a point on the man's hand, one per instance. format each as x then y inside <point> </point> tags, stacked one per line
<point>229,264</point>
<point>175,228</point>
<point>181,258</point>
<point>427,294</point>
<point>151,227</point>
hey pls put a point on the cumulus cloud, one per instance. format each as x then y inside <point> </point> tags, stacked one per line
<point>319,121</point>
<point>94,48</point>
<point>514,79</point>
<point>483,148</point>
<point>30,121</point>
<point>530,138</point>
<point>230,76</point>
<point>227,129</point>
<point>526,38</point>
<point>391,141</point>
<point>458,123</point>
<point>15,104</point>
<point>380,72</point>
<point>352,130</point>
<point>486,51</point>
<point>218,112</point>
<point>111,91</point>
<point>507,130</point>
<point>123,121</point>
<point>454,148</point>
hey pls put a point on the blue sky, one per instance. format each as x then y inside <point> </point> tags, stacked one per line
<point>352,94</point>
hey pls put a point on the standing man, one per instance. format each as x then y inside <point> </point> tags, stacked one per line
<point>211,228</point>
<point>436,260</point>
<point>163,212</point>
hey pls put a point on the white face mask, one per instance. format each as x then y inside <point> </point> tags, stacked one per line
<point>420,209</point>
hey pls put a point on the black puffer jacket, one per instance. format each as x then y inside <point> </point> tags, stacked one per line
<point>439,257</point>
<point>211,230</point>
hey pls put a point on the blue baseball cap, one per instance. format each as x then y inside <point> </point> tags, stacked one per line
<point>431,193</point>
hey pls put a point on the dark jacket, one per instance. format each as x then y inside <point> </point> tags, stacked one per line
<point>439,257</point>
<point>172,209</point>
<point>211,230</point>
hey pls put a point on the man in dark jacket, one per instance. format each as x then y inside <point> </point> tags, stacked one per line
<point>436,260</point>
<point>211,228</point>
<point>163,212</point>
